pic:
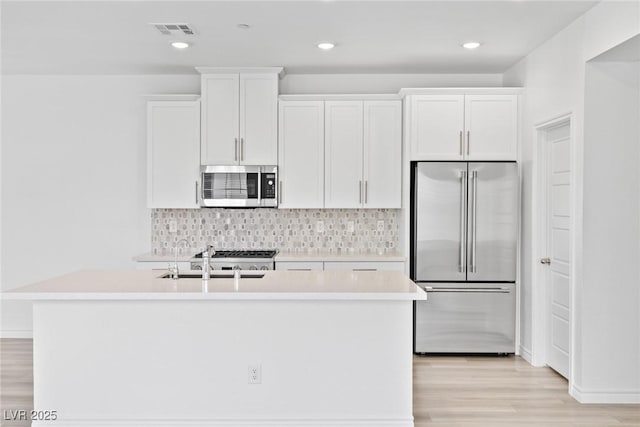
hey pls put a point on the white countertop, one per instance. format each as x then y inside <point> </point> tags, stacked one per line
<point>275,285</point>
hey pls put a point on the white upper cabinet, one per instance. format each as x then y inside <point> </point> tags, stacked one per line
<point>363,149</point>
<point>220,119</point>
<point>343,154</point>
<point>340,153</point>
<point>301,154</point>
<point>463,127</point>
<point>382,159</point>
<point>491,125</point>
<point>239,118</point>
<point>173,153</point>
<point>258,119</point>
<point>437,124</point>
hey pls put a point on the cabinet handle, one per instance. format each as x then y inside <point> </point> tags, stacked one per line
<point>366,190</point>
<point>359,191</point>
<point>461,144</point>
<point>235,149</point>
<point>279,190</point>
<point>468,141</point>
<point>364,269</point>
<point>196,192</point>
<point>241,149</point>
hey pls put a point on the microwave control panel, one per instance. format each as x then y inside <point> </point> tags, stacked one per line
<point>268,185</point>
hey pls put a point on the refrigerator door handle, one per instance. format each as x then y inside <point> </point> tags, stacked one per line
<point>463,220</point>
<point>474,216</point>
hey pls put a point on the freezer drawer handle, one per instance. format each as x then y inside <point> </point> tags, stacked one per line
<point>468,291</point>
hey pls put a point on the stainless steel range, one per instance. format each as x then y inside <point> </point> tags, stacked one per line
<point>238,260</point>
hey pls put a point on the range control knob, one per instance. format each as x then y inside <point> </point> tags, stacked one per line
<point>264,267</point>
<point>196,267</point>
<point>253,267</point>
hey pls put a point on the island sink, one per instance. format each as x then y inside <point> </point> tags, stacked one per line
<point>212,276</point>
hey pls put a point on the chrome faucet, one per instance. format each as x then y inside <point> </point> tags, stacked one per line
<point>175,273</point>
<point>206,257</point>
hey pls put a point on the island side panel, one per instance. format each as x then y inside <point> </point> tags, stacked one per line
<point>336,362</point>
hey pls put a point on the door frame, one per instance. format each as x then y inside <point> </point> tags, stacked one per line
<point>539,287</point>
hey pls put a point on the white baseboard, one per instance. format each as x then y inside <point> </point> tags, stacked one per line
<point>605,396</point>
<point>17,333</point>
<point>526,354</point>
<point>230,423</point>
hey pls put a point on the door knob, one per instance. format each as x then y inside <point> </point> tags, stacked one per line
<point>545,261</point>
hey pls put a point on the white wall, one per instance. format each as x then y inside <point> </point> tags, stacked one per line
<point>609,316</point>
<point>380,83</point>
<point>73,176</point>
<point>553,76</point>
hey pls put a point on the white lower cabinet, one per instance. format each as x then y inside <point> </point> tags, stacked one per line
<point>365,265</point>
<point>300,266</point>
<point>341,265</point>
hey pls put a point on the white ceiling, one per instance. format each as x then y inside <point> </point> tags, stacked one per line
<point>113,37</point>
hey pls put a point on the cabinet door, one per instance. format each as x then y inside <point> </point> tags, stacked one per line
<point>258,119</point>
<point>365,265</point>
<point>301,154</point>
<point>437,123</point>
<point>300,265</point>
<point>343,154</point>
<point>491,127</point>
<point>382,159</point>
<point>173,150</point>
<point>220,125</point>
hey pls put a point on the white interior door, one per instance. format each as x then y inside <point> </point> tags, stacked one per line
<point>558,259</point>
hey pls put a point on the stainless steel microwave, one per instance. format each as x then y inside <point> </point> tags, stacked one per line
<point>239,186</point>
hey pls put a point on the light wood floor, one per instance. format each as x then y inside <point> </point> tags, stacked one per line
<point>448,391</point>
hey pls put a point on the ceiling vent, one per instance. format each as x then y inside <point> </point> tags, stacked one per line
<point>174,29</point>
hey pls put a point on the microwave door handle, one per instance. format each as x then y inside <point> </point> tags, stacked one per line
<point>259,185</point>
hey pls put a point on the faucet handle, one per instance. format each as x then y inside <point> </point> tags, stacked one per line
<point>208,251</point>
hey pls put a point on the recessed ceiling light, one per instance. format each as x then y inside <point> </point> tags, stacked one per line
<point>326,45</point>
<point>471,45</point>
<point>243,26</point>
<point>180,45</point>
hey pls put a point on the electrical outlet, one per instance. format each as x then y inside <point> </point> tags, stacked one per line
<point>255,374</point>
<point>351,228</point>
<point>380,225</point>
<point>173,226</point>
<point>320,227</point>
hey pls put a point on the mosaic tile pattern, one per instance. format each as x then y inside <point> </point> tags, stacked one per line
<point>290,230</point>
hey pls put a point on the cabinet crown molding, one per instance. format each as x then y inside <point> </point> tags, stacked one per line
<point>461,91</point>
<point>244,70</point>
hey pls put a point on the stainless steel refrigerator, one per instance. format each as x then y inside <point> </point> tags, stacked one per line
<point>464,231</point>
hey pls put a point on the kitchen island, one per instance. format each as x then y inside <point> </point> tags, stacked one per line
<point>292,348</point>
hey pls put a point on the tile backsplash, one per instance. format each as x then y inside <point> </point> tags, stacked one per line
<point>289,230</point>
